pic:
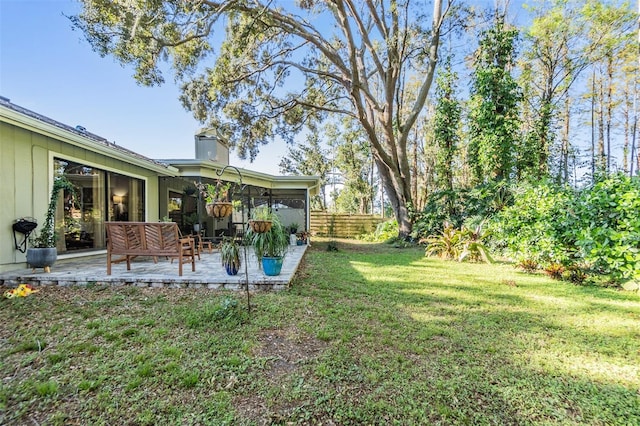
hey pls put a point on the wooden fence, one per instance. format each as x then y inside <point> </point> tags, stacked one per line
<point>343,225</point>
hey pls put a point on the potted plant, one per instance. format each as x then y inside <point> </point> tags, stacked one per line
<point>261,219</point>
<point>293,229</point>
<point>230,255</point>
<point>216,198</point>
<point>43,252</point>
<point>301,238</point>
<point>191,222</point>
<point>270,247</point>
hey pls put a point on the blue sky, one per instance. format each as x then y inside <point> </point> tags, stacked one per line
<point>47,67</point>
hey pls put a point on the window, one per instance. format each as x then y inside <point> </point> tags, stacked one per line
<point>100,196</point>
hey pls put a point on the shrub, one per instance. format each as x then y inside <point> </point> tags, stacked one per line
<point>457,244</point>
<point>528,265</point>
<point>446,245</point>
<point>554,270</point>
<point>575,273</point>
<point>385,231</point>
<point>604,226</point>
<point>597,226</point>
<point>458,206</point>
<point>531,229</point>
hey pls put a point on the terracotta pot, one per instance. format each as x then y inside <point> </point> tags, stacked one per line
<point>219,209</point>
<point>260,226</point>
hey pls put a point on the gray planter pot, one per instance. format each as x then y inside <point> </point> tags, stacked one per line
<point>42,257</point>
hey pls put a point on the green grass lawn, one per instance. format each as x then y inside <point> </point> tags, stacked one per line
<point>368,335</point>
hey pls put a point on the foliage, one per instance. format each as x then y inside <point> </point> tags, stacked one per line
<point>446,245</point>
<point>555,270</point>
<point>214,192</point>
<point>458,244</point>
<point>385,231</point>
<point>575,273</point>
<point>596,226</point>
<point>273,243</point>
<point>48,236</point>
<point>189,220</point>
<point>473,244</point>
<point>458,206</point>
<point>494,120</point>
<point>528,265</point>
<point>293,227</point>
<point>309,159</point>
<point>262,213</point>
<point>352,157</point>
<point>604,225</point>
<point>446,126</point>
<point>531,228</point>
<point>230,253</point>
<point>352,62</point>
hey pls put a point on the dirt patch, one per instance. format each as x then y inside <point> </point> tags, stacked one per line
<point>286,351</point>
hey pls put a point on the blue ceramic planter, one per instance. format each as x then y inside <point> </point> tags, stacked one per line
<point>272,265</point>
<point>231,269</point>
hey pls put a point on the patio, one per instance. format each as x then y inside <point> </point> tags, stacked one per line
<point>145,273</point>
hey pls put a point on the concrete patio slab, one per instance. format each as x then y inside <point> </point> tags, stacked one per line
<point>145,273</point>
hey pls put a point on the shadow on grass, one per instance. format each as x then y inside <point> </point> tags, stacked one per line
<point>509,348</point>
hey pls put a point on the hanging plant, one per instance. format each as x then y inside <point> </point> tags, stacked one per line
<point>261,220</point>
<point>217,198</point>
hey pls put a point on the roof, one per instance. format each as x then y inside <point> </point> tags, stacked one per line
<point>209,169</point>
<point>79,136</point>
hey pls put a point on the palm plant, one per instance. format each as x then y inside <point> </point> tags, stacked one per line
<point>458,244</point>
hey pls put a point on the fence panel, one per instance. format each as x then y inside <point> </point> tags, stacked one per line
<point>341,225</point>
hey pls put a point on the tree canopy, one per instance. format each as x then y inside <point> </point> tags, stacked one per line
<point>259,70</point>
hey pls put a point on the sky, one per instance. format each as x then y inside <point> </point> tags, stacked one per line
<point>47,67</point>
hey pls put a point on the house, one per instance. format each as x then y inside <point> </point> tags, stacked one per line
<point>117,184</point>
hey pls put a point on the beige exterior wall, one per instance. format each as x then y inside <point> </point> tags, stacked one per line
<point>26,162</point>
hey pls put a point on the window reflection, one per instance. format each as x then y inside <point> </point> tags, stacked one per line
<point>81,218</point>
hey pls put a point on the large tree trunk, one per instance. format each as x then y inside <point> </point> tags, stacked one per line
<point>398,191</point>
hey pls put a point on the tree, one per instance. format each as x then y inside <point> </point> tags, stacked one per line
<point>494,122</point>
<point>351,57</point>
<point>610,32</point>
<point>310,159</point>
<point>446,126</point>
<point>353,161</point>
<point>565,38</point>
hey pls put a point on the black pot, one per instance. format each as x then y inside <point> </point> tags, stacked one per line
<point>42,257</point>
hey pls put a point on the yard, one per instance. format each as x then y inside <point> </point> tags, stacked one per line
<point>371,334</point>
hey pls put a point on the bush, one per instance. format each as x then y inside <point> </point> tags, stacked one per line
<point>458,206</point>
<point>385,231</point>
<point>604,226</point>
<point>461,244</point>
<point>597,226</point>
<point>531,229</point>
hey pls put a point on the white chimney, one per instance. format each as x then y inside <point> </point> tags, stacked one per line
<point>210,145</point>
